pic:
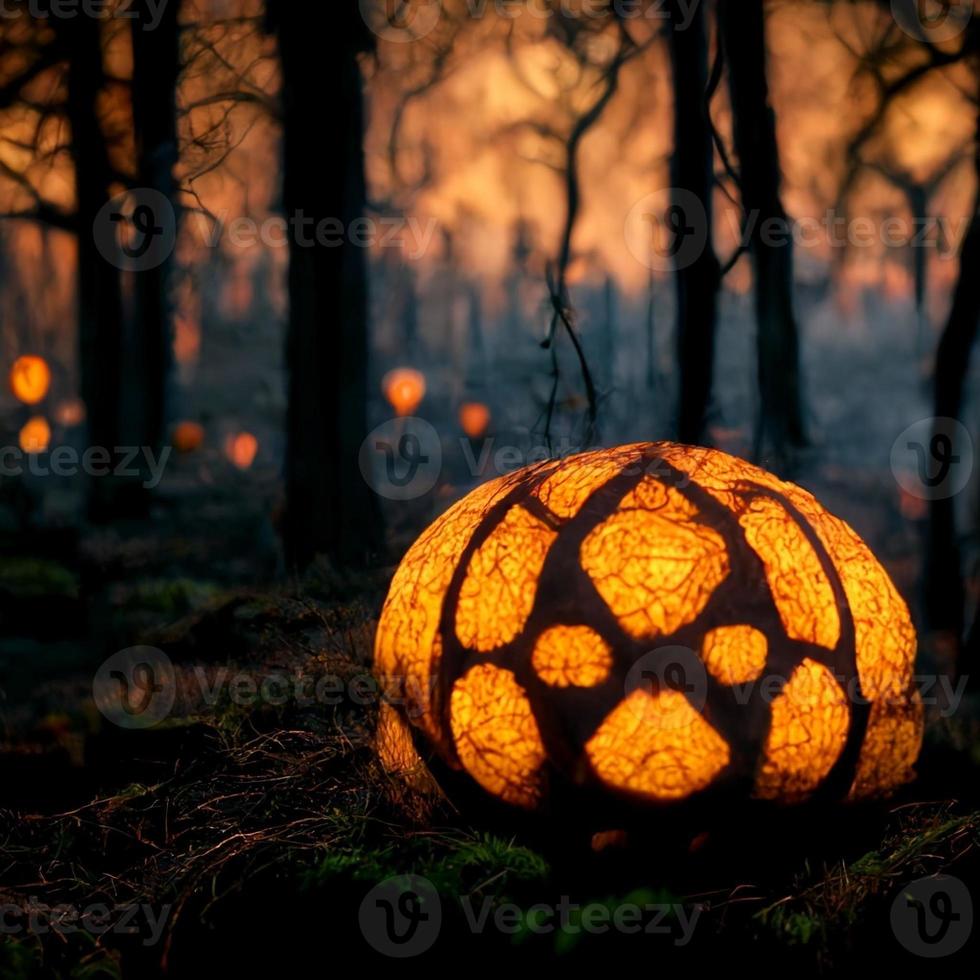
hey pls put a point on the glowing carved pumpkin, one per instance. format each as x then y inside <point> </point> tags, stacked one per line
<point>404,388</point>
<point>30,379</point>
<point>516,625</point>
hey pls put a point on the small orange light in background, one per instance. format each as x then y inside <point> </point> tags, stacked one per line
<point>35,437</point>
<point>242,449</point>
<point>30,379</point>
<point>188,437</point>
<point>70,413</point>
<point>187,340</point>
<point>474,419</point>
<point>404,388</point>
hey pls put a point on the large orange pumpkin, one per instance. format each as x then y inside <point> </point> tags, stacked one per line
<point>535,635</point>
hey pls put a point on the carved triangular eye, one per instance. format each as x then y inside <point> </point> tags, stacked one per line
<point>653,622</point>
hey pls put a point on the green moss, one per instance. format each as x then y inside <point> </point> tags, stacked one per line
<point>169,597</point>
<point>33,578</point>
<point>455,862</point>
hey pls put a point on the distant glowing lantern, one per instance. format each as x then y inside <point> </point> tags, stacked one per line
<point>404,388</point>
<point>241,449</point>
<point>188,437</point>
<point>474,419</point>
<point>649,625</point>
<point>35,437</point>
<point>70,413</point>
<point>30,379</point>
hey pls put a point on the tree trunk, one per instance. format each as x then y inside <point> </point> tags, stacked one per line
<point>156,70</point>
<point>330,508</point>
<point>767,231</point>
<point>99,292</point>
<point>692,173</point>
<point>944,591</point>
<point>609,331</point>
<point>918,199</point>
<point>652,378</point>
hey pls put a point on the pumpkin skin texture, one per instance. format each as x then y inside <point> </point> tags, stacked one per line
<point>516,626</point>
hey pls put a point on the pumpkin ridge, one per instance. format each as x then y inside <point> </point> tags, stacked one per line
<point>451,666</point>
<point>842,774</point>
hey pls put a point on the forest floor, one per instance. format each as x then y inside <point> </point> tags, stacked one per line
<point>247,829</point>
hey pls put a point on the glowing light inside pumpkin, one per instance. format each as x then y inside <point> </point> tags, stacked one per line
<point>735,654</point>
<point>188,437</point>
<point>498,591</point>
<point>30,379</point>
<point>496,735</point>
<point>409,651</point>
<point>404,388</point>
<point>810,719</point>
<point>572,656</point>
<point>242,449</point>
<point>655,561</point>
<point>799,586</point>
<point>657,746</point>
<point>474,419</point>
<point>35,436</point>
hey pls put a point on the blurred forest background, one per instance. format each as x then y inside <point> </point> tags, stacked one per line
<point>751,224</point>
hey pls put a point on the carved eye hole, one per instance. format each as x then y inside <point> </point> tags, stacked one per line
<point>658,746</point>
<point>735,654</point>
<point>496,735</point>
<point>572,656</point>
